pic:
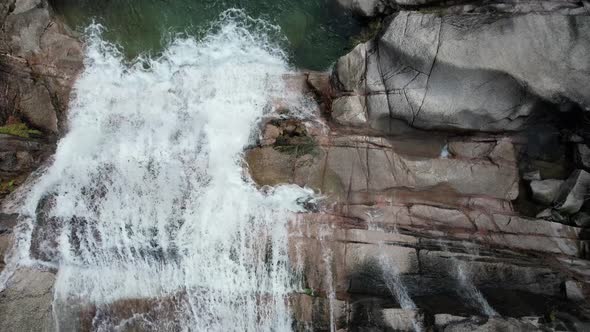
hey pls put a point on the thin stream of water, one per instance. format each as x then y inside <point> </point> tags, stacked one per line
<point>391,277</point>
<point>468,289</point>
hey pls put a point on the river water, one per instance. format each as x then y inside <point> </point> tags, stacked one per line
<point>149,196</point>
<point>313,33</point>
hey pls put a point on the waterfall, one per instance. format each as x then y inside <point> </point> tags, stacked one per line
<point>148,191</point>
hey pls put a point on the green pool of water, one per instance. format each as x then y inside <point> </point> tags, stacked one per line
<point>318,31</point>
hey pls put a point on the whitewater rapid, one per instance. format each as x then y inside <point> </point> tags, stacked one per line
<point>150,190</point>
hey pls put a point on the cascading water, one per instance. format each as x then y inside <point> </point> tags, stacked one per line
<point>149,191</point>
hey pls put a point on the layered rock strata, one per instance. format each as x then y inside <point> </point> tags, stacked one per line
<point>430,215</point>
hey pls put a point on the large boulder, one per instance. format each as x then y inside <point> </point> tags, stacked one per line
<point>481,71</point>
<point>371,8</point>
<point>40,60</point>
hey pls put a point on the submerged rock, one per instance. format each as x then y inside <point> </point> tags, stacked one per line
<point>364,7</point>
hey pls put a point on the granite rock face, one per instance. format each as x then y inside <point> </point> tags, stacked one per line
<point>39,61</point>
<point>468,71</point>
<point>482,74</point>
<point>477,86</point>
<point>397,209</point>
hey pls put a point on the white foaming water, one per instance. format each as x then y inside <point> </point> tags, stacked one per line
<point>150,188</point>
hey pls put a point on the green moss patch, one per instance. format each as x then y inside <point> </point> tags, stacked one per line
<point>7,185</point>
<point>20,130</point>
<point>297,146</point>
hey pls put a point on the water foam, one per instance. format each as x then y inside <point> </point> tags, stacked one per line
<point>150,189</point>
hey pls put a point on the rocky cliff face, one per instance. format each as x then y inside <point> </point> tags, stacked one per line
<point>39,61</point>
<point>433,212</point>
<point>450,152</point>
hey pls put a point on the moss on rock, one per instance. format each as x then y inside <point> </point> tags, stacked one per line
<point>20,130</point>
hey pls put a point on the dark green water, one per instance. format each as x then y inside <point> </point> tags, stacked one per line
<point>318,31</point>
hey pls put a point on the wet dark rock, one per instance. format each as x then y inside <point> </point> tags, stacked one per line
<point>7,222</point>
<point>532,176</point>
<point>45,236</point>
<point>583,155</point>
<point>490,324</point>
<point>545,191</point>
<point>581,219</point>
<point>573,192</point>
